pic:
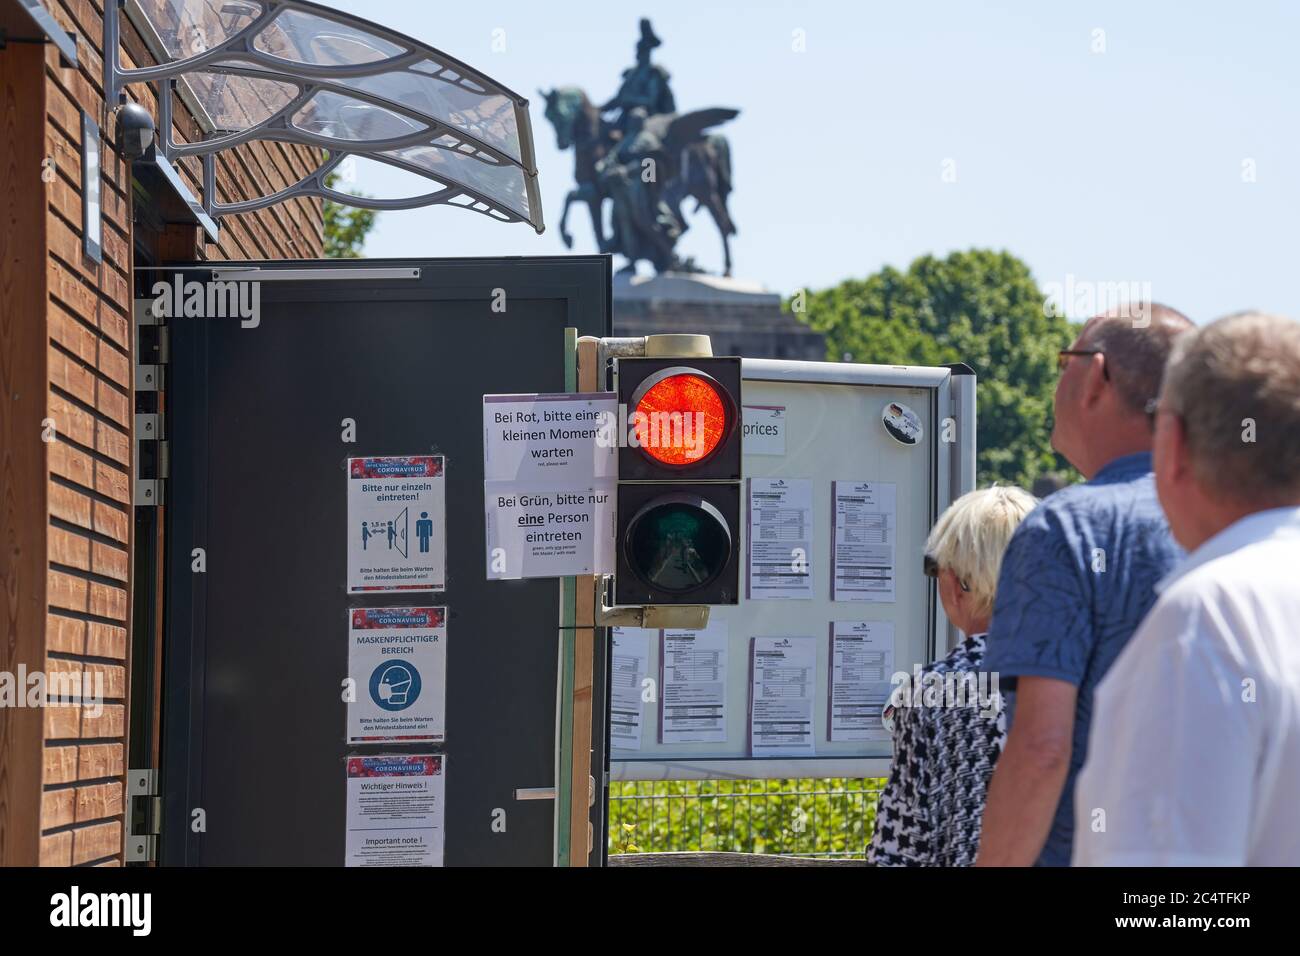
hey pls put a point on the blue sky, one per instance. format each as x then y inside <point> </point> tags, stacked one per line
<point>1128,165</point>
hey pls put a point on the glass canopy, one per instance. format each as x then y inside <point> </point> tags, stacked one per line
<point>292,71</point>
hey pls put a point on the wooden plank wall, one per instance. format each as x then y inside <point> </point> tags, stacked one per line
<point>84,512</point>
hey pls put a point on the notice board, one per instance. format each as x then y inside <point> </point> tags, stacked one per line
<point>875,451</point>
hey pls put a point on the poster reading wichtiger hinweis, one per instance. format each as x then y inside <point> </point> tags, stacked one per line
<point>396,812</point>
<point>397,524</point>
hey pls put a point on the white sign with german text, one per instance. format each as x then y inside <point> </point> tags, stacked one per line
<point>397,524</point>
<point>548,491</point>
<point>549,438</point>
<point>547,531</point>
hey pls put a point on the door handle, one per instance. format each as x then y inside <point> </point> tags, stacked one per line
<point>535,793</point>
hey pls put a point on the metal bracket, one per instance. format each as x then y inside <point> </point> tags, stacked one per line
<point>149,425</point>
<point>144,816</point>
<point>653,616</point>
<point>54,33</point>
<point>149,428</point>
<point>148,378</point>
<point>148,492</point>
<point>145,314</point>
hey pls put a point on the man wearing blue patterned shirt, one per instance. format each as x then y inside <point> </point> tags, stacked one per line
<point>1077,579</point>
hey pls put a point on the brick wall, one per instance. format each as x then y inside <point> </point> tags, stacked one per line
<point>69,785</point>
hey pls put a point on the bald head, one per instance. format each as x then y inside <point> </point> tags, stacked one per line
<point>1137,340</point>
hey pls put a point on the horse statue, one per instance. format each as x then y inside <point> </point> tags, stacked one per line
<point>608,161</point>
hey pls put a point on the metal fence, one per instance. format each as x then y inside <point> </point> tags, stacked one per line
<point>806,817</point>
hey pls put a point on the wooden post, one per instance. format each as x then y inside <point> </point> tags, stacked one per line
<point>24,467</point>
<point>573,842</point>
<point>582,840</point>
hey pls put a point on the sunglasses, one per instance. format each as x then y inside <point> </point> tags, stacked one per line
<point>931,569</point>
<point>1063,359</point>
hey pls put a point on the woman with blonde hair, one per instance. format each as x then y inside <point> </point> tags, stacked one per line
<point>948,726</point>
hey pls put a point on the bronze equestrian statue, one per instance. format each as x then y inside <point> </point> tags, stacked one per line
<point>644,157</point>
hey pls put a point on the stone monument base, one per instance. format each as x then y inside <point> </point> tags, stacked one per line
<point>741,317</point>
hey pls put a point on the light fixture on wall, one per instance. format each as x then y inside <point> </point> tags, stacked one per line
<point>91,178</point>
<point>135,131</point>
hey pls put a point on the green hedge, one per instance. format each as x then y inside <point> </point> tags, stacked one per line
<point>793,816</point>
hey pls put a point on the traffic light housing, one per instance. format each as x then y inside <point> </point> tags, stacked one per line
<point>679,481</point>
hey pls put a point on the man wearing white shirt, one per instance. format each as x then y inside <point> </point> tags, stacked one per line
<point>1194,757</point>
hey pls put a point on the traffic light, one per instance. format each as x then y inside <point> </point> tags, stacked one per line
<point>679,481</point>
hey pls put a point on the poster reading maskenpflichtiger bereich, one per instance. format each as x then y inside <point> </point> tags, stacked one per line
<point>397,668</point>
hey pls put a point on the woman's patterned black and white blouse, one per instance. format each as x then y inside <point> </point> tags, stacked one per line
<point>946,741</point>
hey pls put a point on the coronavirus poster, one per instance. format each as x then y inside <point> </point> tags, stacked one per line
<point>397,674</point>
<point>397,524</point>
<point>396,811</point>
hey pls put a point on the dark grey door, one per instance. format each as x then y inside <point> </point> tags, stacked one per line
<point>256,645</point>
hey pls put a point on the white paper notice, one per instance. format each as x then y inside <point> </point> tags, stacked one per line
<point>628,667</point>
<point>862,666</point>
<point>783,678</point>
<point>544,531</point>
<point>396,812</point>
<point>764,427</point>
<point>548,438</point>
<point>693,686</point>
<point>863,559</point>
<point>548,487</point>
<point>397,524</point>
<point>779,539</point>
<point>397,660</point>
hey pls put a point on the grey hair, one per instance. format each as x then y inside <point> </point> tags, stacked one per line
<point>1236,385</point>
<point>1136,352</point>
<point>971,535</point>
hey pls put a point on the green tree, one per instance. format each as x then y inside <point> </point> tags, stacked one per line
<point>979,307</point>
<point>346,227</point>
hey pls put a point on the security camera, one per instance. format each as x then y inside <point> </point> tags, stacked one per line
<point>135,131</point>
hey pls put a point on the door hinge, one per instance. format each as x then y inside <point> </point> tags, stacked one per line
<point>149,446</point>
<point>152,346</point>
<point>152,455</point>
<point>144,816</point>
<point>148,378</point>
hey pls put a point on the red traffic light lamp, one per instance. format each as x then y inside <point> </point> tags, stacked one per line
<point>679,481</point>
